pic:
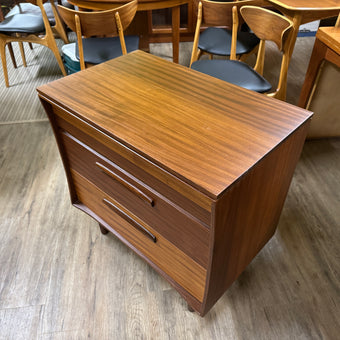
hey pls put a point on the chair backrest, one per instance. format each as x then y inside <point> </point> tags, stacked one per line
<point>218,13</point>
<point>99,22</point>
<point>271,26</point>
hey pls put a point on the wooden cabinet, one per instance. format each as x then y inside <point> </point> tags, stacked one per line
<point>189,171</point>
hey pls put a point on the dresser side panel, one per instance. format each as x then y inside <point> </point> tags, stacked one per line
<point>246,216</point>
<point>52,118</point>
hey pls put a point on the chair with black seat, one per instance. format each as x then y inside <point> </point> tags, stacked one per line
<point>54,20</point>
<point>100,34</point>
<point>10,48</point>
<point>31,28</point>
<point>216,38</point>
<point>267,25</point>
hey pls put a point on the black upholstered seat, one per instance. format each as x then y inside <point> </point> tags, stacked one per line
<point>267,25</point>
<point>99,50</point>
<point>22,23</point>
<point>215,40</point>
<point>235,72</point>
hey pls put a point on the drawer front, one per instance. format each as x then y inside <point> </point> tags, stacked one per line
<point>141,237</point>
<point>176,190</point>
<point>186,233</point>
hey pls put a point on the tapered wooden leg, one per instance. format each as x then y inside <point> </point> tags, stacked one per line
<point>11,53</point>
<point>318,55</point>
<point>22,51</point>
<point>3,60</point>
<point>54,48</point>
<point>30,45</point>
<point>175,33</point>
<point>103,230</point>
<point>190,309</point>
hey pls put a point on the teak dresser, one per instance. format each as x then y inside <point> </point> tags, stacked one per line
<point>188,171</point>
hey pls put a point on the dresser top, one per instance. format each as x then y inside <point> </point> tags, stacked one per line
<point>205,131</point>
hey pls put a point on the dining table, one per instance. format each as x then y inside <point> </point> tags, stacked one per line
<point>143,5</point>
<point>304,11</point>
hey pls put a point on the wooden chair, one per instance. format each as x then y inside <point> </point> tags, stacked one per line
<point>31,28</point>
<point>267,25</point>
<point>111,24</point>
<point>56,24</point>
<point>216,38</point>
<point>10,48</point>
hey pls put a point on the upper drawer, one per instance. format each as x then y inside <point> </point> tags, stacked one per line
<point>185,196</point>
<point>179,228</point>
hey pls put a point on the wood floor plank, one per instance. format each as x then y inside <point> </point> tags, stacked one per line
<point>30,172</point>
<point>20,323</point>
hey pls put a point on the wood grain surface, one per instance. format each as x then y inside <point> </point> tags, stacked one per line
<point>309,5</point>
<point>215,138</point>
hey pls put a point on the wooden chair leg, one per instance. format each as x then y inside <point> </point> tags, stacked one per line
<point>3,60</point>
<point>103,230</point>
<point>243,57</point>
<point>22,51</point>
<point>11,53</point>
<point>30,45</point>
<point>54,48</point>
<point>62,33</point>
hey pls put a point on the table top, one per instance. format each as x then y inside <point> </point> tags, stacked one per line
<point>330,36</point>
<point>307,5</point>
<point>205,131</point>
<point>304,11</point>
<point>142,4</point>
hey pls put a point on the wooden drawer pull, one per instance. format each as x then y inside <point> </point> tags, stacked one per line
<point>129,219</point>
<point>125,183</point>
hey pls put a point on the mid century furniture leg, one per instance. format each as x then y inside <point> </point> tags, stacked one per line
<point>316,59</point>
<point>175,33</point>
<point>22,52</point>
<point>103,230</point>
<point>190,309</point>
<point>11,53</point>
<point>320,53</point>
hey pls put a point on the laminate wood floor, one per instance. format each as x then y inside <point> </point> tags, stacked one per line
<point>60,278</point>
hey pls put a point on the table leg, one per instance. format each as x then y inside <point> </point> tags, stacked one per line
<point>175,33</point>
<point>318,55</point>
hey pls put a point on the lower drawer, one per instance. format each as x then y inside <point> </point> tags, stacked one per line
<point>172,261</point>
